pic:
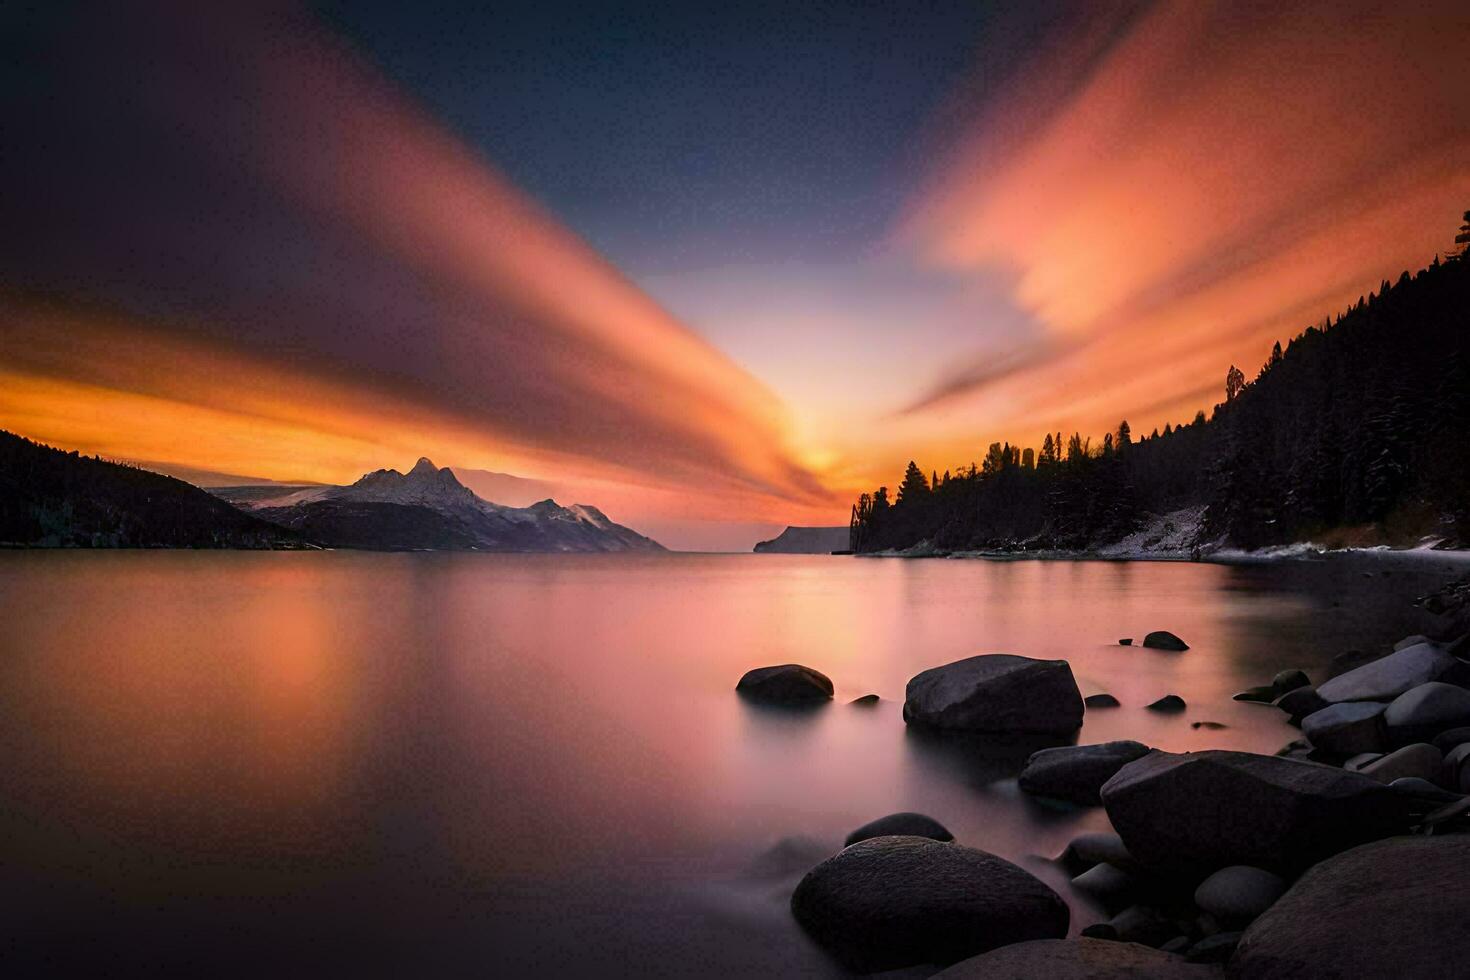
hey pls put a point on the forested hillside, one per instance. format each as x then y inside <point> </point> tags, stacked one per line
<point>1360,425</point>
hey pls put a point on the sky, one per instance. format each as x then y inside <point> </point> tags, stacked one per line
<point>713,268</point>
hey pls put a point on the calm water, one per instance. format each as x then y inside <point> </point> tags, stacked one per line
<point>296,763</point>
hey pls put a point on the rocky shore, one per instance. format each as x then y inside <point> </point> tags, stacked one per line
<point>1340,856</point>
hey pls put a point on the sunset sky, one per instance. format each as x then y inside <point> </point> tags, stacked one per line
<point>714,269</point>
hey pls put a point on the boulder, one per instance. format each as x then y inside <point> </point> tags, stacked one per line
<point>1202,811</point>
<point>1423,790</point>
<point>1169,704</point>
<point>1420,759</point>
<point>1301,702</point>
<point>1076,773</point>
<point>1347,728</point>
<point>1360,760</point>
<point>1445,741</point>
<point>1076,959</point>
<point>1410,641</point>
<point>785,684</point>
<point>1164,640</point>
<point>1098,848</point>
<point>1290,680</point>
<point>996,693</point>
<point>1100,701</point>
<point>1425,711</point>
<point>893,902</point>
<point>904,824</point>
<point>1239,893</point>
<point>1104,881</point>
<point>1387,677</point>
<point>1395,908</point>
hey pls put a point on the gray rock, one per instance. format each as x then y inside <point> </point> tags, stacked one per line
<point>1076,773</point>
<point>1213,949</point>
<point>1164,640</point>
<point>1422,789</point>
<point>996,693</point>
<point>1301,702</point>
<point>1264,694</point>
<point>892,902</point>
<point>1425,711</point>
<point>1360,760</point>
<point>1387,677</point>
<point>1395,908</point>
<point>1104,881</point>
<point>1239,893</point>
<point>904,824</point>
<point>1290,680</point>
<point>1099,848</point>
<point>1420,759</point>
<point>1347,728</point>
<point>1076,959</point>
<point>1445,741</point>
<point>1202,811</point>
<point>1410,641</point>
<point>785,684</point>
<point>1169,704</point>
<point>1100,701</point>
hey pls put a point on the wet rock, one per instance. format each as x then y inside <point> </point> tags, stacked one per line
<point>904,824</point>
<point>1213,949</point>
<point>1126,641</point>
<point>1169,704</point>
<point>1395,908</point>
<point>1137,924</point>
<point>1213,726</point>
<point>866,701</point>
<point>1076,773</point>
<point>1164,640</point>
<point>1290,680</point>
<point>1100,701</point>
<point>1104,881</point>
<point>1301,702</point>
<point>1360,760</point>
<point>1076,959</point>
<point>1387,677</point>
<point>1239,893</point>
<point>892,902</point>
<point>1445,741</point>
<point>1425,711</point>
<point>1264,694</point>
<point>785,684</point>
<point>1201,811</point>
<point>1298,749</point>
<point>1420,759</point>
<point>1422,789</point>
<point>1347,728</point>
<point>996,693</point>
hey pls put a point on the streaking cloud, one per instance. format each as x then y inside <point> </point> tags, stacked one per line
<point>230,244</point>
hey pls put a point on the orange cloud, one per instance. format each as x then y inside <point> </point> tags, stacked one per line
<point>1172,192</point>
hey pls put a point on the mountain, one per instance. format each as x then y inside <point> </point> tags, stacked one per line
<point>428,508</point>
<point>55,499</point>
<point>806,541</point>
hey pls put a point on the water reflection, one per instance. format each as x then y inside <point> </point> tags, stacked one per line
<point>235,763</point>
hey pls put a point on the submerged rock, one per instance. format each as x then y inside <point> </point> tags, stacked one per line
<point>904,824</point>
<point>866,701</point>
<point>1239,893</point>
<point>892,902</point>
<point>1075,959</point>
<point>1164,640</point>
<point>1264,694</point>
<point>1346,729</point>
<point>996,693</point>
<point>1126,641</point>
<point>1387,677</point>
<point>1395,908</point>
<point>1076,773</point>
<point>1202,811</point>
<point>1169,703</point>
<point>785,684</point>
<point>1100,701</point>
<point>1213,726</point>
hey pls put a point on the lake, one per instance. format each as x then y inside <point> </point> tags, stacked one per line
<point>308,763</point>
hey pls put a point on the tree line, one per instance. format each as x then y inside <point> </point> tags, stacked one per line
<point>1361,421</point>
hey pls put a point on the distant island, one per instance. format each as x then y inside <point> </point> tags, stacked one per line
<point>55,499</point>
<point>806,541</point>
<point>1353,435</point>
